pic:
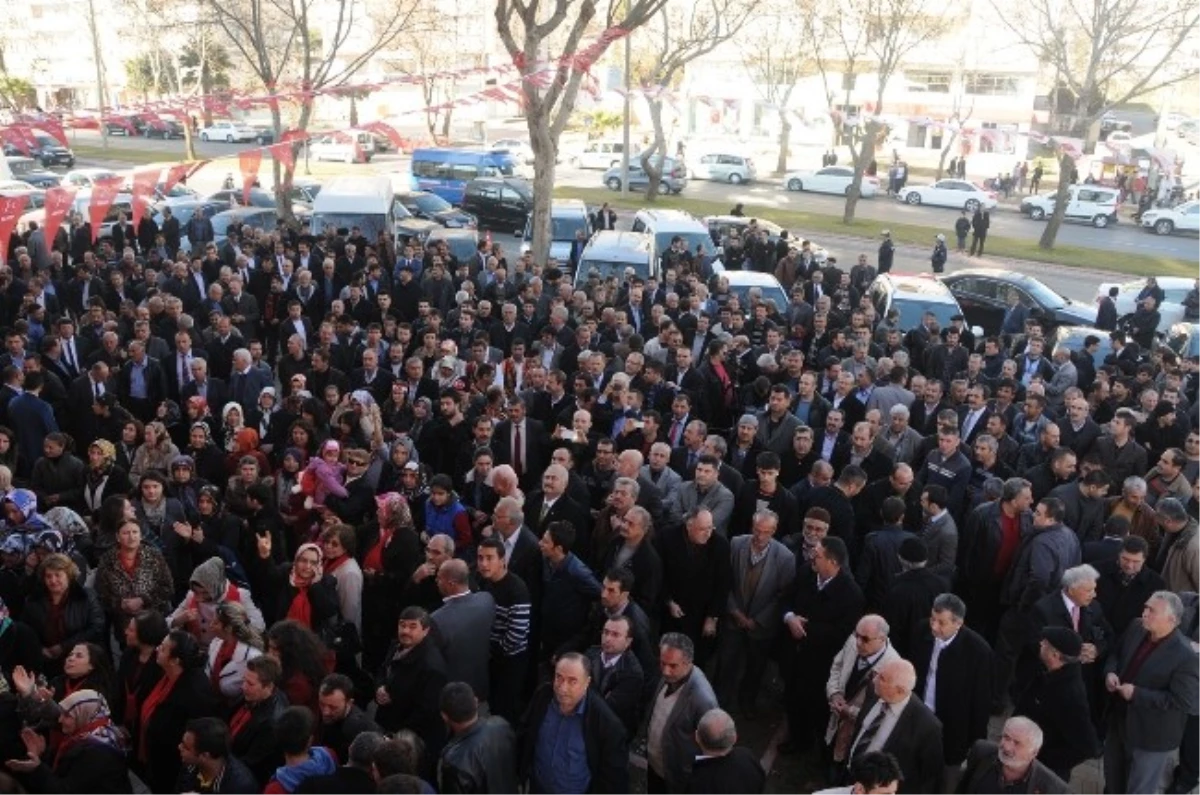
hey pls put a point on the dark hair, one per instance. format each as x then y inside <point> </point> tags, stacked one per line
<point>622,576</point>
<point>495,544</point>
<point>400,784</point>
<point>186,649</point>
<point>210,736</point>
<point>768,461</point>
<point>1134,545</point>
<point>458,703</point>
<point>294,730</point>
<point>835,550</point>
<point>150,627</point>
<point>1054,508</point>
<point>562,534</point>
<point>892,510</point>
<point>337,682</point>
<point>401,754</point>
<point>414,613</point>
<point>300,651</point>
<point>875,769</point>
<point>936,494</point>
<point>267,669</point>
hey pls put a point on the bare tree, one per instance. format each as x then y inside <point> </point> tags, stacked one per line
<point>535,29</point>
<point>682,32</point>
<point>870,37</point>
<point>960,113</point>
<point>443,38</point>
<point>1105,53</point>
<point>319,44</point>
<point>779,61</point>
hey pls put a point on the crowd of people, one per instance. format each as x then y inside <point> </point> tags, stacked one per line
<point>310,514</point>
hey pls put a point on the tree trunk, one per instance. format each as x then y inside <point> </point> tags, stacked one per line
<point>353,111</point>
<point>545,155</point>
<point>448,115</point>
<point>1050,233</point>
<point>206,89</point>
<point>863,155</point>
<point>283,202</point>
<point>659,147</point>
<point>785,137</point>
<point>945,151</point>
<point>189,142</point>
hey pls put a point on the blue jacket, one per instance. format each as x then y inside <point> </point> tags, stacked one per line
<point>440,521</point>
<point>32,419</point>
<point>568,592</point>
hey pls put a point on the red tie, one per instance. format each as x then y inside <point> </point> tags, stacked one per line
<point>518,464</point>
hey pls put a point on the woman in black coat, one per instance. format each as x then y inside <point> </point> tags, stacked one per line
<point>138,671</point>
<point>183,694</point>
<point>18,645</point>
<point>57,592</point>
<point>390,552</point>
<point>302,591</point>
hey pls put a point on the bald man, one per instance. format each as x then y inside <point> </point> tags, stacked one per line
<point>723,766</point>
<point>463,627</point>
<point>896,722</point>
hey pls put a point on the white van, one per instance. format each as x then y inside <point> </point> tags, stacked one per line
<point>347,202</point>
<point>567,218</point>
<point>600,154</point>
<point>611,253</point>
<point>351,146</point>
<point>1094,204</point>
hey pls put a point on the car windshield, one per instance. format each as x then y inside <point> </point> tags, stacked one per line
<point>462,247</point>
<point>769,293</point>
<point>606,269</point>
<point>663,241</point>
<point>429,203</point>
<point>565,228</point>
<point>913,310</point>
<point>369,223</point>
<point>1043,294</point>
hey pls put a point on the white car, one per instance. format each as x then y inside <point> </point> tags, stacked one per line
<point>1175,290</point>
<point>341,147</point>
<point>87,177</point>
<point>1182,218</point>
<point>229,131</point>
<point>957,193</point>
<point>520,150</point>
<point>831,179</point>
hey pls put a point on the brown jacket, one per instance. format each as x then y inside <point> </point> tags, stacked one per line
<point>1181,569</point>
<point>1144,523</point>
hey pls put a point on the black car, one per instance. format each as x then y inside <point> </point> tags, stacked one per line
<point>49,152</point>
<point>463,243</point>
<point>165,129</point>
<point>500,203</point>
<point>265,136</point>
<point>42,179</point>
<point>983,294</point>
<point>431,207</point>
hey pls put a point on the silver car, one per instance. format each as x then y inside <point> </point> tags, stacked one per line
<point>674,177</point>
<point>733,169</point>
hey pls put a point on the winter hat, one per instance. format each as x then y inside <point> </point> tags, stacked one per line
<point>210,575</point>
<point>914,550</point>
<point>1065,641</point>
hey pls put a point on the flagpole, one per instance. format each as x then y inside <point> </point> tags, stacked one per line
<point>625,145</point>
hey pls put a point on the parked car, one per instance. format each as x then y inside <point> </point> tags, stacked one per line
<point>957,193</point>
<point>673,179</point>
<point>86,177</point>
<point>499,203</point>
<point>831,179</point>
<point>1184,340</point>
<point>742,282</point>
<point>229,132</point>
<point>1167,221</point>
<point>1175,290</point>
<point>1072,337</point>
<point>304,191</point>
<point>48,151</point>
<point>42,179</point>
<point>163,128</point>
<point>347,147</point>
<point>719,227</point>
<point>431,207</point>
<point>983,294</point>
<point>121,125</point>
<point>599,154</point>
<point>912,297</point>
<point>734,169</point>
<point>184,208</point>
<point>521,151</point>
<point>264,135</point>
<point>1188,130</point>
<point>1093,204</point>
<point>462,242</point>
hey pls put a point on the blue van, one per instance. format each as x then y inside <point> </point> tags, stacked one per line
<point>446,172</point>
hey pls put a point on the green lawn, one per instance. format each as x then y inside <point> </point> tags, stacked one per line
<point>121,155</point>
<point>814,225</point>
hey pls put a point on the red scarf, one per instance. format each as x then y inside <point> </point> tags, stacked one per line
<point>239,720</point>
<point>726,384</point>
<point>374,559</point>
<point>333,565</point>
<point>131,566</point>
<point>153,701</point>
<point>82,734</point>
<point>232,594</point>
<point>70,686</point>
<point>301,609</point>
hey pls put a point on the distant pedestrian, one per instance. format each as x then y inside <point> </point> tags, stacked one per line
<point>962,167</point>
<point>939,254</point>
<point>961,227</point>
<point>1022,173</point>
<point>952,168</point>
<point>979,226</point>
<point>1036,182</point>
<point>887,252</point>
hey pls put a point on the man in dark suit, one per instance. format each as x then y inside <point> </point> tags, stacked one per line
<point>973,417</point>
<point>923,413</point>
<point>372,377</point>
<point>463,627</point>
<point>32,419</point>
<point>523,444</point>
<point>619,679</point>
<point>177,367</point>
<point>246,382</point>
<point>213,390</point>
<point>551,504</point>
<point>894,721</point>
<point>823,610</point>
<point>1152,677</point>
<point>1126,583</point>
<point>141,384</point>
<point>723,766</point>
<point>954,679</point>
<point>1010,763</point>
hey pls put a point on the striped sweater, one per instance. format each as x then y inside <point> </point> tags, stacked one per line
<point>510,630</point>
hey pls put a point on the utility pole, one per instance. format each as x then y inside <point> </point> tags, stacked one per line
<point>625,146</point>
<point>99,71</point>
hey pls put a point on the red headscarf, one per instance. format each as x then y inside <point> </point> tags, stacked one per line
<point>301,608</point>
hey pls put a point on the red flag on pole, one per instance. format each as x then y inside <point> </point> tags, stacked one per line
<point>10,135</point>
<point>104,193</point>
<point>387,131</point>
<point>144,183</point>
<point>249,160</point>
<point>58,203</point>
<point>282,152</point>
<point>176,174</point>
<point>52,128</point>
<point>11,208</point>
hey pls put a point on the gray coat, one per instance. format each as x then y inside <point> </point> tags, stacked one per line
<point>718,500</point>
<point>463,628</point>
<point>1083,515</point>
<point>667,482</point>
<point>1165,690</point>
<point>941,537</point>
<point>678,736</point>
<point>1044,554</point>
<point>778,441</point>
<point>884,397</point>
<point>779,569</point>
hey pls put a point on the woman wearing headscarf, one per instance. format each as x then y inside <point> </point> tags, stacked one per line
<point>245,443</point>
<point>20,508</point>
<point>184,484</point>
<point>414,488</point>
<point>62,612</point>
<point>235,642</point>
<point>299,591</point>
<point>390,552</point>
<point>68,534</point>
<point>133,576</point>
<point>263,418</point>
<point>91,756</point>
<point>209,457</point>
<point>171,416</point>
<point>232,421</point>
<point>209,588</point>
<point>58,476</point>
<point>397,411</point>
<point>195,410</point>
<point>290,500</point>
<point>103,477</point>
<point>399,453</point>
<point>155,454</point>
<point>132,434</point>
<point>138,671</point>
<point>218,527</point>
<point>183,694</point>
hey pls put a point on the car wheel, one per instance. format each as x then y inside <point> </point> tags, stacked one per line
<point>1100,221</point>
<point>735,179</point>
<point>972,205</point>
<point>1164,227</point>
<point>1037,213</point>
<point>228,139</point>
<point>204,137</point>
<point>913,198</point>
<point>664,188</point>
<point>614,183</point>
<point>795,185</point>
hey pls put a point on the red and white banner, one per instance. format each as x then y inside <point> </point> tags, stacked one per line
<point>144,183</point>
<point>11,208</point>
<point>58,204</point>
<point>104,193</point>
<point>249,161</point>
<point>283,154</point>
<point>386,130</point>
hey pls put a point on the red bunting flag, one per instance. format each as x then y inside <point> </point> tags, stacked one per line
<point>284,155</point>
<point>386,130</point>
<point>11,208</point>
<point>249,160</point>
<point>176,174</point>
<point>104,193</point>
<point>53,129</point>
<point>10,135</point>
<point>58,204</point>
<point>144,183</point>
